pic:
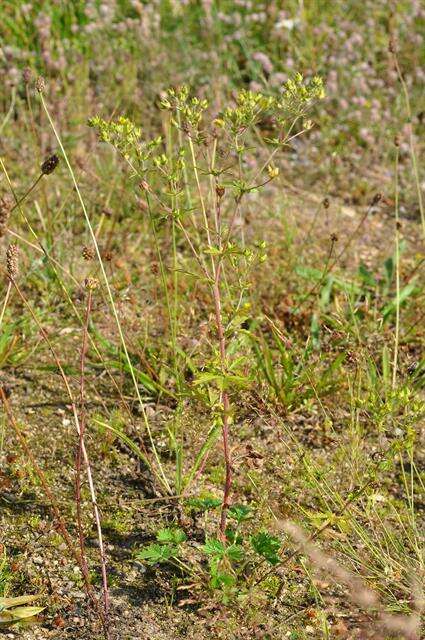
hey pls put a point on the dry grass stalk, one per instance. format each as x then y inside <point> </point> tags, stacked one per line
<point>359,593</point>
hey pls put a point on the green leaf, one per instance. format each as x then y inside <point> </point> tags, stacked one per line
<point>389,270</point>
<point>235,552</point>
<point>219,580</point>
<point>315,331</point>
<point>405,293</point>
<point>171,536</point>
<point>240,512</point>
<point>214,547</point>
<point>326,292</point>
<point>204,504</point>
<point>157,553</point>
<point>267,546</point>
<point>213,251</point>
<point>206,377</point>
<point>366,275</point>
<point>233,537</point>
<point>124,438</point>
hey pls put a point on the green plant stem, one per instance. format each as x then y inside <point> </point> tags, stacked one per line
<point>397,271</point>
<point>201,197</point>
<point>224,395</point>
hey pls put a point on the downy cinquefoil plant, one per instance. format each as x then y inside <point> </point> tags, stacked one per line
<point>197,181</point>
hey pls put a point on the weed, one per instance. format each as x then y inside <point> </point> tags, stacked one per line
<point>225,299</point>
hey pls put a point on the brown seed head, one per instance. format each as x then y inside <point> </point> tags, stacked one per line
<point>326,203</point>
<point>91,283</point>
<point>376,198</point>
<point>88,253</point>
<point>27,75</point>
<point>334,237</point>
<point>12,260</point>
<point>144,185</point>
<point>397,140</point>
<point>107,255</point>
<point>6,204</point>
<point>220,191</point>
<point>40,84</point>
<point>50,164</point>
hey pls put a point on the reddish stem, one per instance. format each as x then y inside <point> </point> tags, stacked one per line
<point>84,456</point>
<point>225,403</point>
<point>79,455</point>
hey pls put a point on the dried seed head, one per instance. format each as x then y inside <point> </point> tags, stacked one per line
<point>6,204</point>
<point>27,75</point>
<point>91,283</point>
<point>326,203</point>
<point>376,198</point>
<point>40,84</point>
<point>12,260</point>
<point>107,255</point>
<point>50,164</point>
<point>334,237</point>
<point>144,185</point>
<point>397,140</point>
<point>220,191</point>
<point>88,253</point>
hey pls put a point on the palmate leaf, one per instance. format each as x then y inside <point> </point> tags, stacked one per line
<point>235,552</point>
<point>221,579</point>
<point>267,546</point>
<point>157,553</point>
<point>204,504</point>
<point>214,547</point>
<point>166,548</point>
<point>171,536</point>
<point>240,512</point>
<point>217,550</point>
<point>223,382</point>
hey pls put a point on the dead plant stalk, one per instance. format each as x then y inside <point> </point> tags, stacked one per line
<point>78,427</point>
